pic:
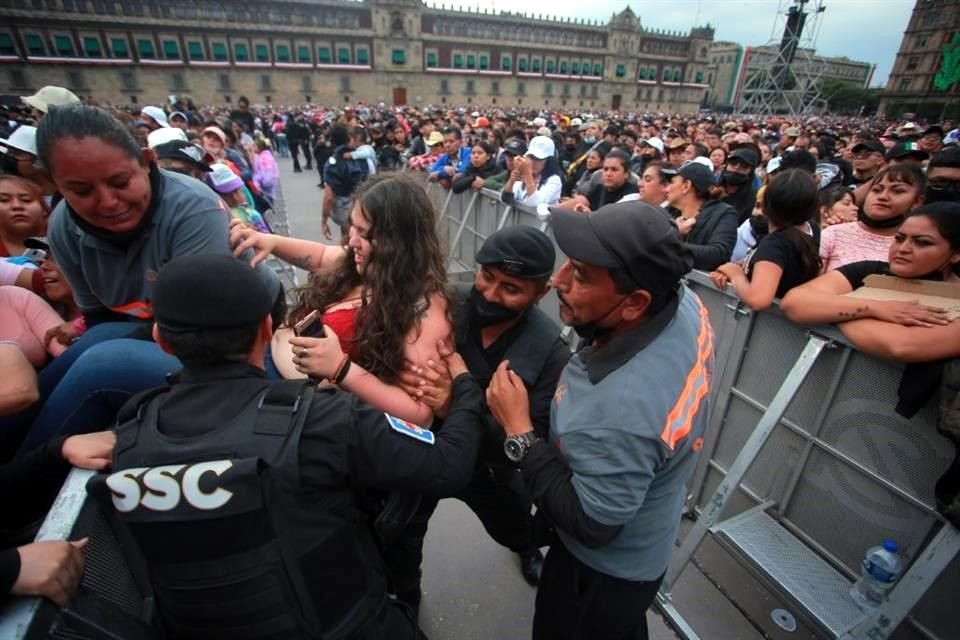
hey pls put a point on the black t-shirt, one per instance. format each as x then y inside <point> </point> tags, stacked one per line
<point>599,195</point>
<point>857,272</point>
<point>778,249</point>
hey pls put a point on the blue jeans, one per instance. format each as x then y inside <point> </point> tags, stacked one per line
<point>98,384</point>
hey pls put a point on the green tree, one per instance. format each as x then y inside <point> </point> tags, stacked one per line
<point>848,97</point>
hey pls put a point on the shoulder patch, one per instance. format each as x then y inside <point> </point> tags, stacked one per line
<point>410,430</point>
<point>332,160</point>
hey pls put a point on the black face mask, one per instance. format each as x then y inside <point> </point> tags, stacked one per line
<point>489,313</point>
<point>590,331</point>
<point>949,193</point>
<point>878,224</point>
<point>735,179</point>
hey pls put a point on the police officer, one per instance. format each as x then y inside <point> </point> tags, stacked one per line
<point>498,319</point>
<point>341,176</point>
<point>241,493</point>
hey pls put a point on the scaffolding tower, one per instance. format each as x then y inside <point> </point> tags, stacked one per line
<point>783,77</point>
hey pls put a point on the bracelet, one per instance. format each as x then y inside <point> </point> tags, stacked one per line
<point>342,370</point>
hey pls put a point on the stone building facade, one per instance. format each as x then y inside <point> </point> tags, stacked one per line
<point>338,51</point>
<point>925,79</point>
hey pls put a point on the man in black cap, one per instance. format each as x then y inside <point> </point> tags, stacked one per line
<point>241,494</point>
<point>626,424</point>
<point>512,149</point>
<point>498,320</point>
<point>738,179</point>
<point>183,157</point>
<point>868,159</point>
<point>908,151</point>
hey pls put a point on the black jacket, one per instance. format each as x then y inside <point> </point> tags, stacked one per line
<point>462,181</point>
<point>714,236</point>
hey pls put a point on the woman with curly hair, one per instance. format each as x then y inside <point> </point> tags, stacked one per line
<point>382,296</point>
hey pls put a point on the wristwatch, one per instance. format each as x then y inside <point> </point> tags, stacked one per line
<point>516,447</point>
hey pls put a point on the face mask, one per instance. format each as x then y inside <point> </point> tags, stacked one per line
<point>735,179</point>
<point>590,331</point>
<point>589,139</point>
<point>571,147</point>
<point>489,313</point>
<point>949,193</point>
<point>878,224</point>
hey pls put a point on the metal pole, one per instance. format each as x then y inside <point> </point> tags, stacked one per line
<point>463,223</point>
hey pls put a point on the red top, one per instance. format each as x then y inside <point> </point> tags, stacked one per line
<point>344,323</point>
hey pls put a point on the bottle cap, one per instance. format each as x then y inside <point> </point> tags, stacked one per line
<point>890,545</point>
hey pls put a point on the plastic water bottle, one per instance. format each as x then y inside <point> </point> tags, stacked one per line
<point>880,568</point>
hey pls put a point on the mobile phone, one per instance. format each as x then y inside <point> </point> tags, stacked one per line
<point>310,326</point>
<point>36,256</point>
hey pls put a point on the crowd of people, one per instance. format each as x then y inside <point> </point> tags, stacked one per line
<point>142,333</point>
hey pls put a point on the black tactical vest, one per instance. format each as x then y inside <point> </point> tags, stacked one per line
<point>234,545</point>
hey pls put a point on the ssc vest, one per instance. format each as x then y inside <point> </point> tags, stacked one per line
<point>234,545</point>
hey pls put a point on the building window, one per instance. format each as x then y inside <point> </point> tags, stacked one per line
<point>521,89</point>
<point>75,80</point>
<point>484,63</point>
<point>598,70</point>
<point>495,87</point>
<point>343,55</point>
<point>63,45</point>
<point>344,84</point>
<point>575,68</point>
<point>652,74</point>
<point>91,47</point>
<point>261,53</point>
<point>563,67</point>
<point>240,53</point>
<point>548,89</point>
<point>195,50</point>
<point>905,84</point>
<point>431,59</point>
<point>458,61</point>
<point>566,90</point>
<point>17,78</point>
<point>444,86</point>
<point>223,81</point>
<point>699,76</point>
<point>128,81</point>
<point>219,51</point>
<point>586,67</point>
<point>171,50</point>
<point>677,75</point>
<point>536,65</point>
<point>471,61</point>
<point>283,53</point>
<point>266,83</point>
<point>399,56</point>
<point>920,42</point>
<point>323,55</point>
<point>177,83</point>
<point>470,87</point>
<point>913,62</point>
<point>583,91</point>
<point>145,49</point>
<point>594,91</point>
<point>119,47</point>
<point>306,84</point>
<point>34,45</point>
<point>303,54</point>
<point>522,64</point>
<point>505,63</point>
<point>551,65</point>
<point>621,70</point>
<point>6,46</point>
<point>363,56</point>
<point>642,73</point>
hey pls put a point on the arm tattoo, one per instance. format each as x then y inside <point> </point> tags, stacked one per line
<point>305,262</point>
<point>850,315</point>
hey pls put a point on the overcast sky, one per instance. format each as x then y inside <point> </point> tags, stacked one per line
<point>866,30</point>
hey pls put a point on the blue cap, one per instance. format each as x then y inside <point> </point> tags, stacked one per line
<point>890,545</point>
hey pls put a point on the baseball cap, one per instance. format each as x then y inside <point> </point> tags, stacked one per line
<point>656,143</point>
<point>539,122</point>
<point>907,148</point>
<point>745,155</point>
<point>793,132</point>
<point>515,147</point>
<point>186,151</point>
<point>482,123</point>
<point>36,242</point>
<point>934,128</point>
<point>50,96</point>
<point>870,145</point>
<point>543,131</point>
<point>206,291</point>
<point>698,174</point>
<point>164,135</point>
<point>24,138</point>
<point>541,147</point>
<point>576,122</point>
<point>634,236</point>
<point>222,179</point>
<point>216,131</point>
<point>519,251</point>
<point>157,114</point>
<point>179,114</point>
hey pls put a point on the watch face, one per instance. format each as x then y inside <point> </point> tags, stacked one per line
<point>512,449</point>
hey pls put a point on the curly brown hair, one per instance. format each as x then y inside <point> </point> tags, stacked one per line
<point>405,268</point>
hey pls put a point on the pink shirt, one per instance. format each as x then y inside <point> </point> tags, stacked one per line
<point>24,319</point>
<point>848,242</point>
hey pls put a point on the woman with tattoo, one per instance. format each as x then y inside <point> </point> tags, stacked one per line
<point>925,247</point>
<point>382,297</point>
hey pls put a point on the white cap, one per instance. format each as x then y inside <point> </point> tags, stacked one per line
<point>656,143</point>
<point>475,114</point>
<point>51,96</point>
<point>222,179</point>
<point>157,114</point>
<point>541,147</point>
<point>23,139</point>
<point>539,122</point>
<point>576,122</point>
<point>543,131</point>
<point>773,164</point>
<point>705,161</point>
<point>164,135</point>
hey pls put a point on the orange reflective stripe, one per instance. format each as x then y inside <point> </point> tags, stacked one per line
<point>697,386</point>
<point>138,309</point>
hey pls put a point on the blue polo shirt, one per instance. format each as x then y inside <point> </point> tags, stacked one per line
<point>444,160</point>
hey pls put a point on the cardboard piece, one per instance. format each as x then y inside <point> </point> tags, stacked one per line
<point>945,295</point>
